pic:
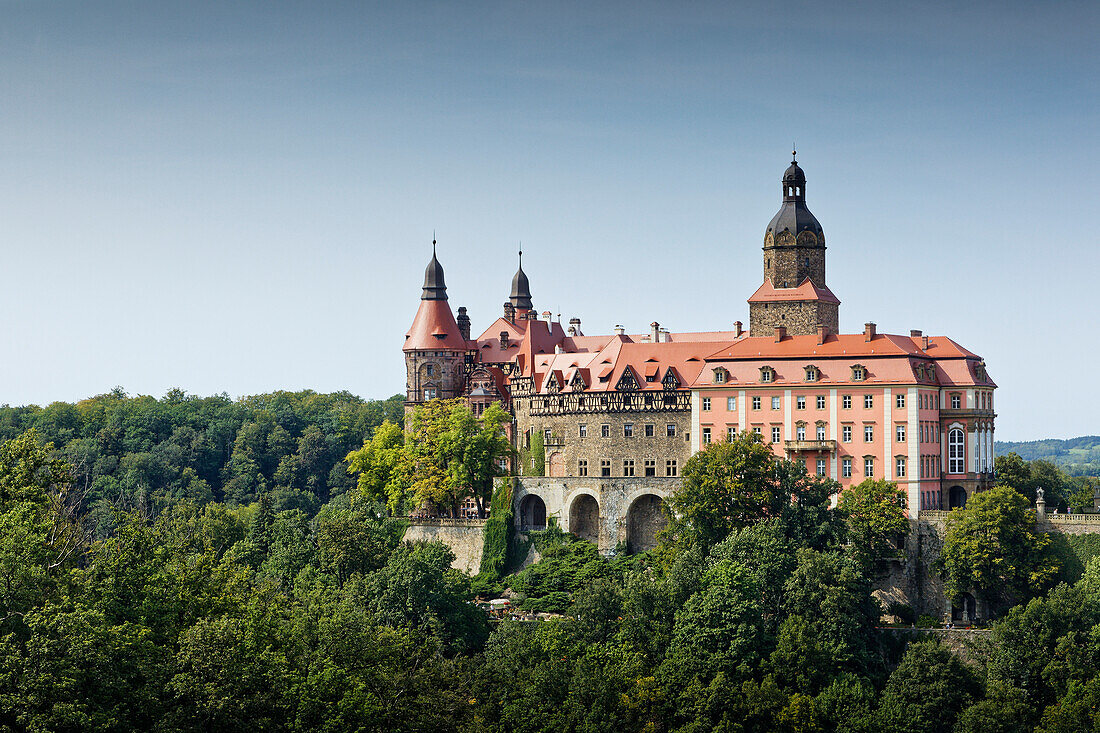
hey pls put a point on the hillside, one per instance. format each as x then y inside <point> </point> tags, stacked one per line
<point>1077,456</point>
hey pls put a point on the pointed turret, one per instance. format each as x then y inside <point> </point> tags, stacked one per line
<point>434,286</point>
<point>434,326</point>
<point>521,289</point>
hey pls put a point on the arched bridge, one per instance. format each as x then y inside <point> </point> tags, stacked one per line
<point>605,511</point>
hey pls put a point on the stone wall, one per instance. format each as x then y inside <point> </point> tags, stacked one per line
<point>623,509</point>
<point>617,447</point>
<point>786,265</point>
<point>799,317</point>
<point>465,537</point>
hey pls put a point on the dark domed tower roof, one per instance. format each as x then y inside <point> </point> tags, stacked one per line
<point>793,214</point>
<point>434,286</point>
<point>521,288</point>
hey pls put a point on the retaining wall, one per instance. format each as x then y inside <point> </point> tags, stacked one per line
<point>465,537</point>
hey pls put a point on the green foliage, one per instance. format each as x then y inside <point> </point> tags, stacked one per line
<point>992,546</point>
<point>534,458</point>
<point>1076,456</point>
<point>927,691</point>
<point>499,529</point>
<point>725,486</point>
<point>875,510</point>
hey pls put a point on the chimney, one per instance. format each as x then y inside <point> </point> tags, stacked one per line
<point>924,342</point>
<point>868,331</point>
<point>504,339</point>
<point>575,326</point>
<point>666,337</point>
<point>780,333</point>
<point>463,322</point>
<point>737,329</point>
<point>915,333</point>
<point>655,332</point>
<point>822,332</point>
<point>546,316</point>
<point>509,312</point>
<point>558,349</point>
<point>619,330</point>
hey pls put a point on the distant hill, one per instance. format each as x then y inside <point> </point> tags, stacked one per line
<point>1076,456</point>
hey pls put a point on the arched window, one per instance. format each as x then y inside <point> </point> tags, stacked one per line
<point>956,453</point>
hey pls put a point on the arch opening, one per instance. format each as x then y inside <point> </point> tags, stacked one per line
<point>645,519</point>
<point>957,497</point>
<point>584,518</point>
<point>532,513</point>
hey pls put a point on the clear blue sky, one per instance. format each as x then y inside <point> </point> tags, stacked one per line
<point>240,197</point>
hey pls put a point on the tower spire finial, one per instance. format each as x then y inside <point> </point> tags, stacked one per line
<point>521,254</point>
<point>794,153</point>
<point>433,243</point>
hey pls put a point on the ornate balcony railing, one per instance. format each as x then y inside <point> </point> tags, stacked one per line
<point>797,446</point>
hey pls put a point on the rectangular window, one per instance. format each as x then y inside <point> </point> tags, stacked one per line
<point>628,430</point>
<point>869,467</point>
<point>670,430</point>
<point>776,435</point>
<point>900,433</point>
<point>766,375</point>
<point>628,467</point>
<point>706,436</point>
<point>868,401</point>
<point>706,403</point>
<point>649,431</point>
<point>900,468</point>
<point>846,402</point>
<point>582,467</point>
<point>731,432</point>
<point>821,402</point>
<point>650,467</point>
<point>846,434</point>
<point>775,403</point>
<point>811,374</point>
<point>800,432</point>
<point>670,468</point>
<point>901,400</point>
<point>956,402</point>
<point>800,403</point>
<point>605,467</point>
<point>821,432</point>
<point>605,431</point>
<point>857,374</point>
<point>547,435</point>
<point>758,430</point>
<point>868,433</point>
<point>731,403</point>
<point>582,430</point>
<point>820,466</point>
<point>756,403</point>
<point>846,467</point>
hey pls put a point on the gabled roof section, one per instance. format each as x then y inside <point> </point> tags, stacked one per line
<point>768,293</point>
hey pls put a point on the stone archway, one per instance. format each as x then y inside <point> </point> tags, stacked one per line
<point>532,513</point>
<point>957,497</point>
<point>557,464</point>
<point>644,520</point>
<point>584,518</point>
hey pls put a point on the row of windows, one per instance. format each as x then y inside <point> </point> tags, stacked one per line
<point>649,467</point>
<point>821,433</point>
<point>929,466</point>
<point>929,432</point>
<point>811,372</point>
<point>800,402</point>
<point>649,430</point>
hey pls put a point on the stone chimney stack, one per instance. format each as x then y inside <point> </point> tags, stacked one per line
<point>463,322</point>
<point>504,339</point>
<point>780,333</point>
<point>924,342</point>
<point>509,311</point>
<point>655,332</point>
<point>822,333</point>
<point>619,330</point>
<point>915,333</point>
<point>575,327</point>
<point>666,337</point>
<point>868,331</point>
<point>737,329</point>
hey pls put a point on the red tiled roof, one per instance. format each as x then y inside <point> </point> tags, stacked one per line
<point>434,328</point>
<point>768,293</point>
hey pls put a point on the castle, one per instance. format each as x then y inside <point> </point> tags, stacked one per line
<point>620,414</point>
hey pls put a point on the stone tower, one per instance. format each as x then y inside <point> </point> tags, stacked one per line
<point>794,295</point>
<point>435,347</point>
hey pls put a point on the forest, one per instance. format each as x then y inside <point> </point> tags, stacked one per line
<point>206,564</point>
<point>1076,456</point>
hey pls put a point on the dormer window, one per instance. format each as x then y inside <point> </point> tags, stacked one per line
<point>767,374</point>
<point>859,372</point>
<point>720,375</point>
<point>811,373</point>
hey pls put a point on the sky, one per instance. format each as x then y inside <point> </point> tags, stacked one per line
<point>241,197</point>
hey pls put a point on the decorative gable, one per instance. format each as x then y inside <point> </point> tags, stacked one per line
<point>627,382</point>
<point>671,381</point>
